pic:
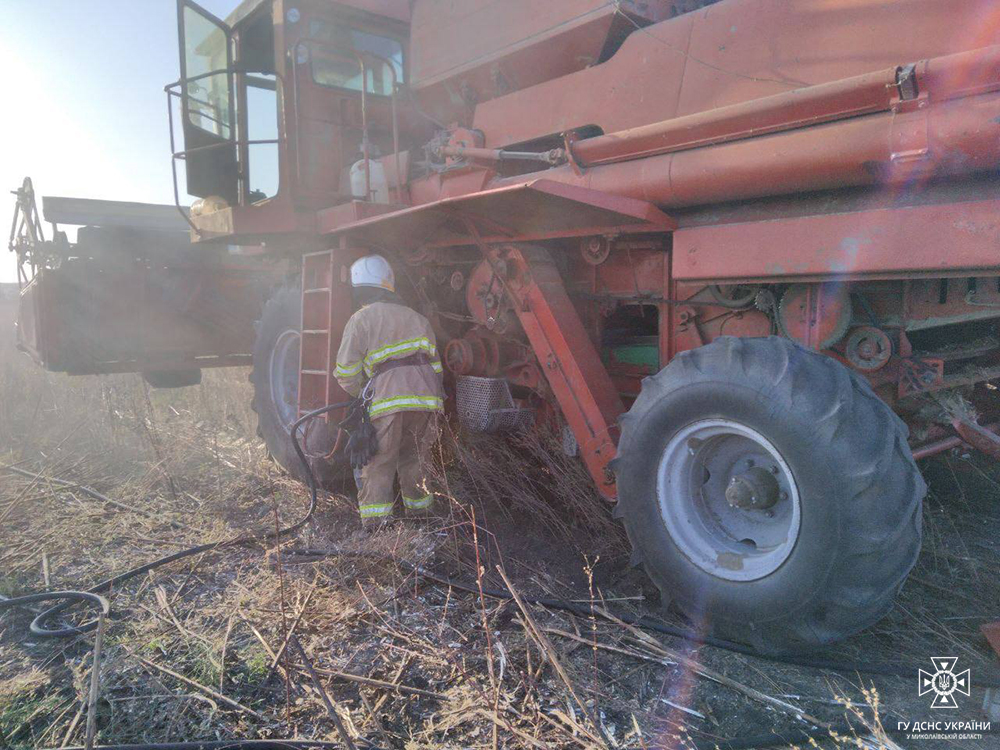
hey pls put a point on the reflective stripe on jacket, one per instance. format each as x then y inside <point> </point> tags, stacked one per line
<point>385,331</point>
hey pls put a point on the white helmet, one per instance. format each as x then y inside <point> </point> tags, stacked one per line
<point>373,270</point>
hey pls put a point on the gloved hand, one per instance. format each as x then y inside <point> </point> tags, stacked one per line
<point>362,443</point>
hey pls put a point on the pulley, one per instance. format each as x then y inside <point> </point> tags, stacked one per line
<point>815,315</point>
<point>868,348</point>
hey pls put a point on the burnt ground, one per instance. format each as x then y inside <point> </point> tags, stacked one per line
<point>409,662</point>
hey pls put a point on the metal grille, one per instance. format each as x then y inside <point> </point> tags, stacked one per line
<point>485,405</point>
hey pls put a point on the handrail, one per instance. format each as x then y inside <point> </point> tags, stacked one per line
<point>174,90</point>
<point>395,120</point>
<point>173,155</point>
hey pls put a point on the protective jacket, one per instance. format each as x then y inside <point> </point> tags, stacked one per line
<point>379,333</point>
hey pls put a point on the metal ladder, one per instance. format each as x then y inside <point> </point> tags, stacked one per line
<point>316,352</point>
<point>326,307</point>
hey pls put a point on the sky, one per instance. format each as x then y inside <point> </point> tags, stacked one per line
<point>84,113</point>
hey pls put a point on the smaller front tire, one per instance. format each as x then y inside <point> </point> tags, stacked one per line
<point>275,379</point>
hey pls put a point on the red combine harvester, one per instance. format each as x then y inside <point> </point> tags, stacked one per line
<point>743,255</point>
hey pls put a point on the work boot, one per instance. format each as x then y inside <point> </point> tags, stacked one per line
<point>420,509</point>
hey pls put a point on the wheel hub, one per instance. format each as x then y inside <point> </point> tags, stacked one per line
<point>284,377</point>
<point>728,499</point>
<point>755,489</point>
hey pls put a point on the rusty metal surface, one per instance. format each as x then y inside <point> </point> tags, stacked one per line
<point>952,76</point>
<point>979,437</point>
<point>715,58</point>
<point>868,348</point>
<point>697,110</point>
<point>934,302</point>
<point>944,444</point>
<point>854,152</point>
<point>521,209</point>
<point>478,50</point>
<point>861,244</point>
<point>992,632</point>
<point>586,394</point>
<point>815,315</point>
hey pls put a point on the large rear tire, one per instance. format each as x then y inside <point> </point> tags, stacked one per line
<point>275,379</point>
<point>770,493</point>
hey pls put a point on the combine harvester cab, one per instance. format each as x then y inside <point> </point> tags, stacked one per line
<point>742,256</point>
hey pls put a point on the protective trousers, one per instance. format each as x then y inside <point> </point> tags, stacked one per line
<point>405,439</point>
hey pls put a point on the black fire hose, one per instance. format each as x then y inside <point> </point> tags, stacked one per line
<point>71,598</point>
<point>37,625</point>
<point>871,668</point>
<point>646,623</point>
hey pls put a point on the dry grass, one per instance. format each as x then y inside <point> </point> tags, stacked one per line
<point>409,663</point>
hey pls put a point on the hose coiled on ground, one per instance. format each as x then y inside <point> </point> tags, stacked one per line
<point>70,598</point>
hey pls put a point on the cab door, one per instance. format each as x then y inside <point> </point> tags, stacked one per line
<point>328,47</point>
<point>208,110</point>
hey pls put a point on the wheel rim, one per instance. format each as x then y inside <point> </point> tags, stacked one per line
<point>284,377</point>
<point>728,499</point>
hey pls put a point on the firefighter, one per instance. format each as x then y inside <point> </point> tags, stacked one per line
<point>389,352</point>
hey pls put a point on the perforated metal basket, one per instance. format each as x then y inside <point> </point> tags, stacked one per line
<point>485,405</point>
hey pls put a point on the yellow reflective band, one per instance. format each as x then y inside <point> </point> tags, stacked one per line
<point>406,403</point>
<point>346,371</point>
<point>372,511</point>
<point>436,366</point>
<point>407,347</point>
<point>383,352</point>
<point>421,502</point>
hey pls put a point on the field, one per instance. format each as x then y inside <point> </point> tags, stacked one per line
<point>193,650</point>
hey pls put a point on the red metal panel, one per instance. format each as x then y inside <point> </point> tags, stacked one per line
<point>953,238</point>
<point>451,38</point>
<point>743,49</point>
<point>873,92</point>
<point>961,137</point>
<point>734,52</point>
<point>398,9</point>
<point>520,209</point>
<point>992,632</point>
<point>469,51</point>
<point>939,79</point>
<point>639,85</point>
<point>587,396</point>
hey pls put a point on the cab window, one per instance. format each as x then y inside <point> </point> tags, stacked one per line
<point>334,65</point>
<point>205,51</point>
